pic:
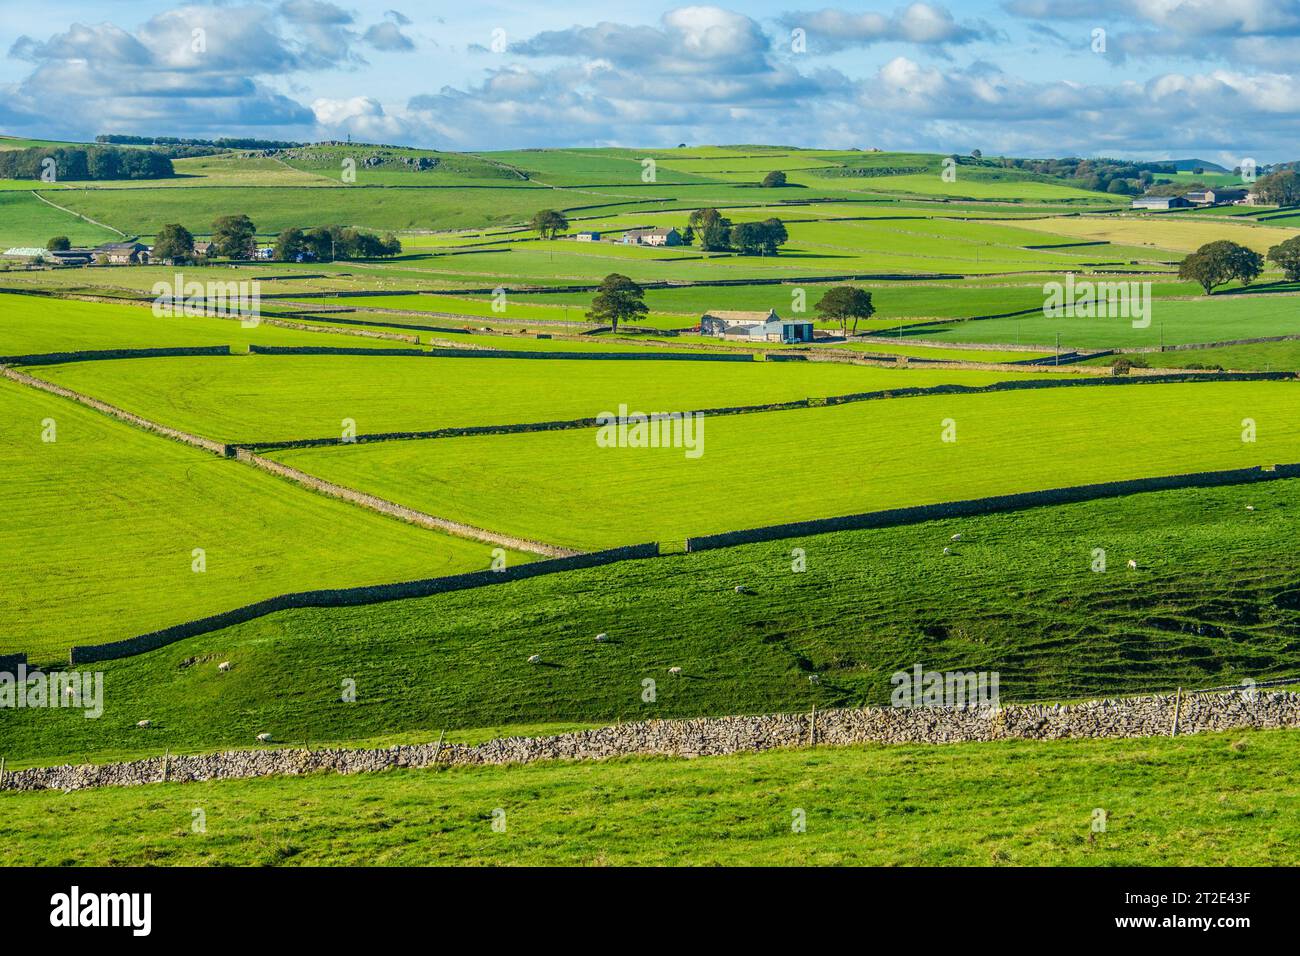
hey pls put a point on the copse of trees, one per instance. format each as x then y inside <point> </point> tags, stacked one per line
<point>1286,256</point>
<point>233,237</point>
<point>328,243</point>
<point>1216,263</point>
<point>548,223</point>
<point>774,180</point>
<point>59,244</point>
<point>713,229</point>
<point>759,238</point>
<point>618,299</point>
<point>223,143</point>
<point>85,162</point>
<point>1096,174</point>
<point>1280,189</point>
<point>173,243</point>
<point>844,304</point>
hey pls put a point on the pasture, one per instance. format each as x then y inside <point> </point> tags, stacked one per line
<point>821,462</point>
<point>102,522</point>
<point>1209,604</point>
<point>1194,801</point>
<point>281,398</point>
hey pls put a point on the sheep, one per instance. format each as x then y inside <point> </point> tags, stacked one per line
<point>814,678</point>
<point>535,659</point>
<point>142,724</point>
<point>1250,507</point>
<point>956,537</point>
<point>675,671</point>
<point>947,550</point>
<point>1132,565</point>
<point>223,666</point>
<point>602,638</point>
<point>741,589</point>
<point>263,738</point>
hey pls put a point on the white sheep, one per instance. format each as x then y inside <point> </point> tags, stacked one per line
<point>1250,507</point>
<point>601,638</point>
<point>263,738</point>
<point>535,659</point>
<point>1132,565</point>
<point>142,724</point>
<point>947,550</point>
<point>674,671</point>
<point>223,666</point>
<point>956,537</point>
<point>741,589</point>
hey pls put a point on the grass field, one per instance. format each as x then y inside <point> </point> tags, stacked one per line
<point>1209,604</point>
<point>1264,356</point>
<point>1194,801</point>
<point>278,398</point>
<point>1217,318</point>
<point>27,221</point>
<point>98,535</point>
<point>31,325</point>
<point>787,466</point>
<point>1182,235</point>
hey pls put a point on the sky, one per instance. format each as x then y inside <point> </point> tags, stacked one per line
<point>1144,79</point>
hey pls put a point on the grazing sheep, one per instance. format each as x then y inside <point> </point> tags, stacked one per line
<point>814,678</point>
<point>263,738</point>
<point>535,659</point>
<point>674,671</point>
<point>1250,507</point>
<point>142,723</point>
<point>1132,565</point>
<point>947,550</point>
<point>956,537</point>
<point>223,666</point>
<point>601,638</point>
<point>741,589</point>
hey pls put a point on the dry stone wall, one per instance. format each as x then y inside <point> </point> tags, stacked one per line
<point>1149,716</point>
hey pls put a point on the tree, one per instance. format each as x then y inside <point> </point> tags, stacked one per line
<point>748,237</point>
<point>715,236</point>
<point>688,235</point>
<point>59,244</point>
<point>1218,262</point>
<point>976,154</point>
<point>845,302</point>
<point>391,245</point>
<point>619,299</point>
<point>1286,256</point>
<point>289,245</point>
<point>233,237</point>
<point>774,235</point>
<point>1279,189</point>
<point>548,223</point>
<point>173,243</point>
<point>774,180</point>
<point>320,243</point>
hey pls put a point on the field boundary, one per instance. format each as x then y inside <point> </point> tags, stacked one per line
<point>1071,494</point>
<point>350,597</point>
<point>96,355</point>
<point>1154,715</point>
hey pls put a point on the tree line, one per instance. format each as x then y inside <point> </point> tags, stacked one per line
<point>235,237</point>
<point>84,162</point>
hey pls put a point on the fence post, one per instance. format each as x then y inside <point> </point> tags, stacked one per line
<point>1178,707</point>
<point>437,748</point>
<point>812,728</point>
<point>2,773</point>
<point>167,756</point>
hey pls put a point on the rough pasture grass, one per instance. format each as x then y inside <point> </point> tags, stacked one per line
<point>786,466</point>
<point>1209,604</point>
<point>1264,356</point>
<point>26,221</point>
<point>1210,800</point>
<point>31,325</point>
<point>100,527</point>
<point>1165,232</point>
<point>277,397</point>
<point>1217,318</point>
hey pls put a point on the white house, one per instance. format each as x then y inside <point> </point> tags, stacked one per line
<point>652,237</point>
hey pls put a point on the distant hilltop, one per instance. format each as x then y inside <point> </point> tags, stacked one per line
<point>1185,165</point>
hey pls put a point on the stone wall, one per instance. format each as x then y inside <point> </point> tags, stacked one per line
<point>94,355</point>
<point>989,505</point>
<point>207,444</point>
<point>348,597</point>
<point>1149,716</point>
<point>9,663</point>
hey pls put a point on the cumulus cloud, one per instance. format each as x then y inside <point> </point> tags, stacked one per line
<point>922,24</point>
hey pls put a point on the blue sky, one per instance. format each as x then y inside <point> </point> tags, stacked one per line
<point>1218,79</point>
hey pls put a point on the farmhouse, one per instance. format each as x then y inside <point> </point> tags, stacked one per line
<point>755,327</point>
<point>1213,197</point>
<point>125,253</point>
<point>652,237</point>
<point>202,248</point>
<point>1160,202</point>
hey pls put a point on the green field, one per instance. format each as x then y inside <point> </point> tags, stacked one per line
<point>1195,801</point>
<point>101,524</point>
<point>787,466</point>
<point>1209,604</point>
<point>27,221</point>
<point>279,398</point>
<point>1218,318</point>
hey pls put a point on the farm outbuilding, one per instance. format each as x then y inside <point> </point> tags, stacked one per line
<point>755,326</point>
<point>652,237</point>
